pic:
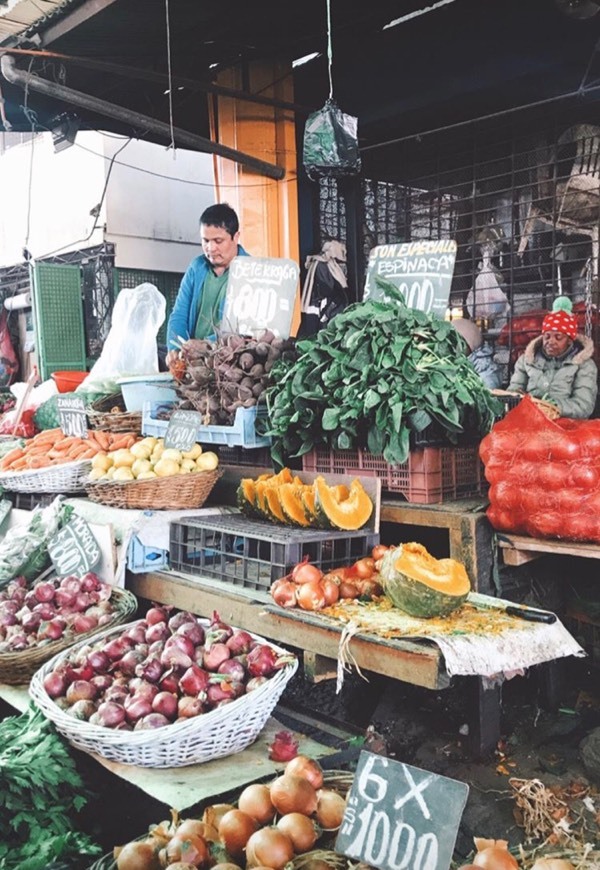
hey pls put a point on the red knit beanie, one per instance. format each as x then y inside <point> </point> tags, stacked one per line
<point>561,318</point>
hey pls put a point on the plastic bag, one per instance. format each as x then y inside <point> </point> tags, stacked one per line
<point>330,143</point>
<point>9,364</point>
<point>130,347</point>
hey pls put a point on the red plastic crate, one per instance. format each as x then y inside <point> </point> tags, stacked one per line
<point>429,476</point>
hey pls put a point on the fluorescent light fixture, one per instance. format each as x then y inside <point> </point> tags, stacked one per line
<point>416,13</point>
<point>306,59</point>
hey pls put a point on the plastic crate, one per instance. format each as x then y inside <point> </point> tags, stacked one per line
<point>141,558</point>
<point>27,501</point>
<point>429,476</point>
<point>241,434</point>
<point>253,554</point>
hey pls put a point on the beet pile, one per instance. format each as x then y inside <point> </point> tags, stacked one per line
<point>218,377</point>
<point>162,669</point>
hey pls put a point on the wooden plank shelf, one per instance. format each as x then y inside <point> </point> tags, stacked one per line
<point>519,549</point>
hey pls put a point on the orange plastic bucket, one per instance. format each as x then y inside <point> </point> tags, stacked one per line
<point>68,380</point>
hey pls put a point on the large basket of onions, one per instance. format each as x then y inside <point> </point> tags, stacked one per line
<point>38,623</point>
<point>162,693</point>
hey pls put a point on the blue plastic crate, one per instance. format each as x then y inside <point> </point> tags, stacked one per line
<point>241,434</point>
<point>141,559</point>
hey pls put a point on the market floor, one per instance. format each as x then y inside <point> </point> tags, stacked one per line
<point>423,728</point>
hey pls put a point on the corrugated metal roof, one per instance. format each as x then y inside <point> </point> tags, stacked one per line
<point>16,16</point>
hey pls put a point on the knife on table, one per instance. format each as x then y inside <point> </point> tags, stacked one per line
<point>531,614</point>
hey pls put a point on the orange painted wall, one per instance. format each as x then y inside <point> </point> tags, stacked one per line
<point>268,209</point>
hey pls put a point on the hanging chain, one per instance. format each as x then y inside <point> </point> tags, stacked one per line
<point>588,298</point>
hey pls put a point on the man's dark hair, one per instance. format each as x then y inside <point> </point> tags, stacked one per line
<point>221,215</point>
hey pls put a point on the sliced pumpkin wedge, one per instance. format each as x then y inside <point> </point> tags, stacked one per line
<point>349,513</point>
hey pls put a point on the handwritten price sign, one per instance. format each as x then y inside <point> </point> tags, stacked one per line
<point>182,431</point>
<point>399,817</point>
<point>260,295</point>
<point>74,549</point>
<point>71,415</point>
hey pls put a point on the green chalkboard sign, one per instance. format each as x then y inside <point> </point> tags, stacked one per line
<point>182,431</point>
<point>400,816</point>
<point>74,549</point>
<point>261,294</point>
<point>422,271</point>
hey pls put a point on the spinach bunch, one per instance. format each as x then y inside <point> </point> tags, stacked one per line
<point>41,793</point>
<point>379,371</point>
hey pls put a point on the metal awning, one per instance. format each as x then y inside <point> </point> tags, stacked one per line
<point>17,16</point>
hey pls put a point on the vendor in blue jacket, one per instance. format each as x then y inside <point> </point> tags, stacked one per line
<point>199,304</point>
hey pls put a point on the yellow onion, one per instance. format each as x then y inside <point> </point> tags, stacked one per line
<point>269,847</point>
<point>293,794</point>
<point>137,855</point>
<point>212,815</point>
<point>255,800</point>
<point>190,849</point>
<point>301,830</point>
<point>330,809</point>
<point>494,855</point>
<point>307,768</point>
<point>235,830</point>
<point>198,829</point>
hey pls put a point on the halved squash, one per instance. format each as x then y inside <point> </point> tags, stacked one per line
<point>292,506</point>
<point>307,496</point>
<point>348,513</point>
<point>246,497</point>
<point>422,585</point>
<point>274,504</point>
<point>260,499</point>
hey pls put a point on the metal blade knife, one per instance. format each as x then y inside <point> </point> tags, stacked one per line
<point>531,614</point>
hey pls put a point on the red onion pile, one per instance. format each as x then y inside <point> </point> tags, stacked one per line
<point>165,668</point>
<point>52,609</point>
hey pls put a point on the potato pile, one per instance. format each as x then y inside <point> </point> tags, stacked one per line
<point>218,377</point>
<point>149,458</point>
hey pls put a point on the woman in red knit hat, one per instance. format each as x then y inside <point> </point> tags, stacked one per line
<point>558,366</point>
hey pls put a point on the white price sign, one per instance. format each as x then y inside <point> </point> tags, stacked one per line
<point>261,294</point>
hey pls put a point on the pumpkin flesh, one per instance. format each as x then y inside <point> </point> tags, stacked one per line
<point>291,504</point>
<point>421,585</point>
<point>348,513</point>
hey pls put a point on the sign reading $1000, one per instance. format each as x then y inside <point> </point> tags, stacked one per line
<point>400,817</point>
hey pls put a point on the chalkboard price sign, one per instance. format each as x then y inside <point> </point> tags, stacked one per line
<point>71,415</point>
<point>74,549</point>
<point>399,816</point>
<point>261,294</point>
<point>422,271</point>
<point>182,431</point>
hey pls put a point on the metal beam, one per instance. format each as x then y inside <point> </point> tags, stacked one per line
<point>183,138</point>
<point>73,19</point>
<point>162,79</point>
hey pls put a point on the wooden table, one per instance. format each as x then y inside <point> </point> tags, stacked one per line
<point>419,663</point>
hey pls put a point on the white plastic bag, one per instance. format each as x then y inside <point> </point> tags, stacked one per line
<point>130,347</point>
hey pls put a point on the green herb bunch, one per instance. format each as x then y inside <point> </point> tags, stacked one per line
<point>41,794</point>
<point>377,372</point>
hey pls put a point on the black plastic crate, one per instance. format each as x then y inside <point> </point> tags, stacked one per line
<point>27,501</point>
<point>258,457</point>
<point>253,554</point>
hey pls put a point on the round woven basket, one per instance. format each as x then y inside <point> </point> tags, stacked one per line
<point>70,477</point>
<point>110,415</point>
<point>337,780</point>
<point>176,492</point>
<point>223,731</point>
<point>17,668</point>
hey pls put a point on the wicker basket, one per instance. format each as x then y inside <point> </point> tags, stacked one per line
<point>110,415</point>
<point>223,731</point>
<point>70,477</point>
<point>17,668</point>
<point>176,492</point>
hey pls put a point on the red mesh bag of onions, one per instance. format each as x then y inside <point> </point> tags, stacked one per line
<point>168,690</point>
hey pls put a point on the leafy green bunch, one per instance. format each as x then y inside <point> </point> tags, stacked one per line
<point>379,371</point>
<point>41,794</point>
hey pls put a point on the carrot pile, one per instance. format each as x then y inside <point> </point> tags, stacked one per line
<point>52,447</point>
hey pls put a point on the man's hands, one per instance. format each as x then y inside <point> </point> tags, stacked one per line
<point>171,357</point>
